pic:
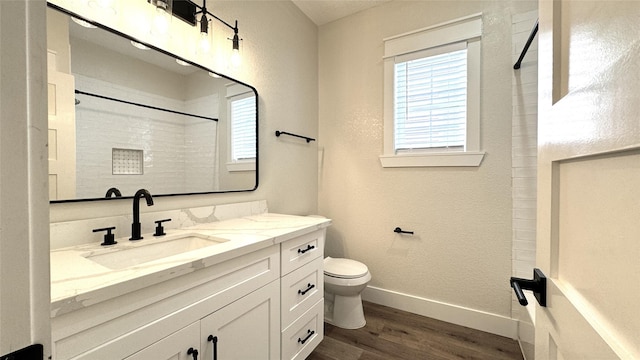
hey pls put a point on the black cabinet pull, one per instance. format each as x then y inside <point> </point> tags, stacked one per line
<point>309,287</point>
<point>193,352</point>
<point>309,247</point>
<point>309,335</point>
<point>214,340</point>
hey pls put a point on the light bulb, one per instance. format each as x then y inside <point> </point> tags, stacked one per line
<point>204,44</point>
<point>160,21</point>
<point>236,59</point>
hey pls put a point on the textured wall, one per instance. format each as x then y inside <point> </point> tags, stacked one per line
<point>280,60</point>
<point>461,251</point>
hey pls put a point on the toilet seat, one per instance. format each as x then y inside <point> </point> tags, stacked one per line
<point>344,268</point>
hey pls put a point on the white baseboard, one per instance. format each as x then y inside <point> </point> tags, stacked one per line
<point>479,320</point>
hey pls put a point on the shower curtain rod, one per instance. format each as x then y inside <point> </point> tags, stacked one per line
<point>143,105</point>
<point>516,66</point>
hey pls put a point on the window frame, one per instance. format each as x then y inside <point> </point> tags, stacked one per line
<point>466,30</point>
<point>235,93</point>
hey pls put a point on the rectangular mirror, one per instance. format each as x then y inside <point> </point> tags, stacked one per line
<point>124,116</point>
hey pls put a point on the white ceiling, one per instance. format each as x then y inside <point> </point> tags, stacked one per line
<point>325,11</point>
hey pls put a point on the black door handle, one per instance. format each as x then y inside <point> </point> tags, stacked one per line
<point>538,285</point>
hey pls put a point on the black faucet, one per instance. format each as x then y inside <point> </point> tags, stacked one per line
<point>135,226</point>
<point>113,191</point>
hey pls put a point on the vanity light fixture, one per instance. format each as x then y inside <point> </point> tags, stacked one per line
<point>236,59</point>
<point>204,40</point>
<point>202,18</point>
<point>161,16</point>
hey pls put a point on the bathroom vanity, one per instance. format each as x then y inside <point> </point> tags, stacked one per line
<point>243,288</point>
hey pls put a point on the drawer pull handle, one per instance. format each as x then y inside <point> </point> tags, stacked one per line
<point>193,352</point>
<point>309,334</point>
<point>309,287</point>
<point>214,340</point>
<point>309,247</point>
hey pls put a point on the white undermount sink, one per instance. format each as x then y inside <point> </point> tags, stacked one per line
<point>133,254</point>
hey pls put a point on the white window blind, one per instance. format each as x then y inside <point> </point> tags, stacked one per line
<point>432,95</point>
<point>243,128</point>
<point>430,98</point>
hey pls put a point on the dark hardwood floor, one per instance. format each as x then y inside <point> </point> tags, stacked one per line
<point>395,334</point>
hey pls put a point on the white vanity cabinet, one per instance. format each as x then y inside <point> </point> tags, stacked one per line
<point>156,317</point>
<point>261,299</point>
<point>302,294</point>
<point>241,330</point>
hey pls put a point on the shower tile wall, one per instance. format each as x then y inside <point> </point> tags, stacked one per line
<point>524,146</point>
<point>166,141</point>
<point>201,161</point>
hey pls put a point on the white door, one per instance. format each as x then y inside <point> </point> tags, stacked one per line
<point>589,179</point>
<point>62,136</point>
<point>248,328</point>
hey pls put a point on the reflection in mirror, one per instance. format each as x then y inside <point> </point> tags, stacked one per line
<point>124,116</point>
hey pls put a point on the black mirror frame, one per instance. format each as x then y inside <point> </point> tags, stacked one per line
<point>128,37</point>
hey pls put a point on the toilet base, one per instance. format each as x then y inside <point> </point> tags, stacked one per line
<point>344,311</point>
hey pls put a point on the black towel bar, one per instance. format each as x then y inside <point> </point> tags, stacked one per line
<point>278,133</point>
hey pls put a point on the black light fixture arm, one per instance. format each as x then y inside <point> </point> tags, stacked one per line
<point>203,10</point>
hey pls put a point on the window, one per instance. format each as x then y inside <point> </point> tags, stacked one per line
<point>432,105</point>
<point>242,131</point>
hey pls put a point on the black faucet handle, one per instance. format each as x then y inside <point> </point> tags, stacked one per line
<point>109,238</point>
<point>159,228</point>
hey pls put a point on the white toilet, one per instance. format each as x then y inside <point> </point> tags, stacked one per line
<point>344,280</point>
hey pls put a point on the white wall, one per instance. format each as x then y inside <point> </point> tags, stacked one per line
<point>461,251</point>
<point>280,61</point>
<point>24,230</point>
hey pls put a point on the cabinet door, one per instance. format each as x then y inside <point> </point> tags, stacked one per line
<point>174,347</point>
<point>248,328</point>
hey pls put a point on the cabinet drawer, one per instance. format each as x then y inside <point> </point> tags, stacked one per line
<point>300,290</point>
<point>299,339</point>
<point>301,250</point>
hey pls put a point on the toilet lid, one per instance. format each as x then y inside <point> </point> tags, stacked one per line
<point>344,268</point>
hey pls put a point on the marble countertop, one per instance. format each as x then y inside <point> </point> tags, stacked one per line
<point>77,281</point>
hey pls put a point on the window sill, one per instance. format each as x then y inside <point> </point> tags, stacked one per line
<point>241,166</point>
<point>449,159</point>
